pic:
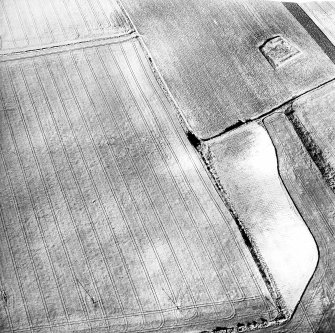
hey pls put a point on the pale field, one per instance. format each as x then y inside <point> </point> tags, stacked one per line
<point>208,53</point>
<point>109,221</point>
<point>38,23</point>
<point>245,164</point>
<point>315,202</point>
<point>323,14</point>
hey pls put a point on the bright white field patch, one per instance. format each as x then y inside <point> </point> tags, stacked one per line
<point>316,202</point>
<point>246,164</point>
<point>323,15</point>
<point>36,23</point>
<point>109,221</point>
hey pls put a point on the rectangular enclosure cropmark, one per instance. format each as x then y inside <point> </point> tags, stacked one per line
<point>208,53</point>
<point>278,51</point>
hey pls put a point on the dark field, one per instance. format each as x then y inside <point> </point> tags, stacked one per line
<point>208,53</point>
<point>313,117</point>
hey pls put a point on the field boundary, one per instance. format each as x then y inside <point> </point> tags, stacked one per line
<point>201,146</point>
<point>202,149</point>
<point>68,46</point>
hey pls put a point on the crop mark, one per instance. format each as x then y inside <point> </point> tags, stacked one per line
<point>93,300</point>
<point>4,297</point>
<point>174,302</point>
<point>278,51</point>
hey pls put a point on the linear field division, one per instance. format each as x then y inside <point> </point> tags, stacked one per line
<point>313,117</point>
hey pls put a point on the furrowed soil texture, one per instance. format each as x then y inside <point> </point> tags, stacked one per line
<point>31,24</point>
<point>210,55</point>
<point>315,202</point>
<point>109,222</point>
<point>323,14</point>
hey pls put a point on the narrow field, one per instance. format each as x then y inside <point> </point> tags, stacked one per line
<point>109,221</point>
<point>209,54</point>
<point>313,117</point>
<point>315,202</point>
<point>37,23</point>
<point>323,14</point>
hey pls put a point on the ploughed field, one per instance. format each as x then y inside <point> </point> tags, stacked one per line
<point>39,23</point>
<point>108,219</point>
<point>323,14</point>
<point>209,53</point>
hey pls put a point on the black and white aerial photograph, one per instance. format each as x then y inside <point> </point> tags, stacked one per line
<point>167,166</point>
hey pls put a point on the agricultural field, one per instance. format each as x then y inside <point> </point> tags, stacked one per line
<point>315,201</point>
<point>244,163</point>
<point>109,221</point>
<point>323,14</point>
<point>29,24</point>
<point>209,54</point>
<point>313,117</point>
<point>133,198</point>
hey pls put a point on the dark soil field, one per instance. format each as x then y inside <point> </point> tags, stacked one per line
<point>313,117</point>
<point>208,53</point>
